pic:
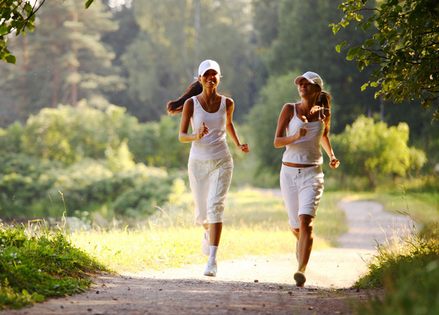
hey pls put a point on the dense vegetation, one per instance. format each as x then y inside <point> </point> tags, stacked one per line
<point>37,262</point>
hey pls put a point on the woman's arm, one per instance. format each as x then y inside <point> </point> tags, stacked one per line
<point>280,140</point>
<point>184,136</point>
<point>326,144</point>
<point>230,128</point>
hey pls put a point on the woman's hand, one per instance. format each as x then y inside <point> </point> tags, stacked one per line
<point>334,163</point>
<point>202,131</point>
<point>244,148</point>
<point>301,133</point>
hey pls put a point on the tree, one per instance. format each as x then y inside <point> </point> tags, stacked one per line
<point>161,61</point>
<point>304,43</point>
<point>374,150</point>
<point>263,118</point>
<point>15,17</point>
<point>403,50</point>
<point>75,64</point>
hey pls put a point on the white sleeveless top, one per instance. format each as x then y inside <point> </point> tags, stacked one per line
<point>213,145</point>
<point>306,150</point>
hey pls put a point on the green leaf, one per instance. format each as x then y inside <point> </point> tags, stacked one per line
<point>339,47</point>
<point>11,59</point>
<point>88,3</point>
<point>353,52</point>
<point>364,86</point>
<point>28,8</point>
<point>369,42</point>
<point>4,29</point>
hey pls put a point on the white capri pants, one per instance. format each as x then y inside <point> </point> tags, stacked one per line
<point>302,189</point>
<point>210,181</point>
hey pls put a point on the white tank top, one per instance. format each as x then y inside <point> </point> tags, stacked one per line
<point>307,149</point>
<point>213,145</point>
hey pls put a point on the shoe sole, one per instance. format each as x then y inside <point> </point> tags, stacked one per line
<point>300,279</point>
<point>210,275</point>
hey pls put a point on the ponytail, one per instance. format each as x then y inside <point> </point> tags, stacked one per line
<point>176,107</point>
<point>324,100</point>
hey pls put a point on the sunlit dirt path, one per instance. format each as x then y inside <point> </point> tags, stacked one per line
<point>255,285</point>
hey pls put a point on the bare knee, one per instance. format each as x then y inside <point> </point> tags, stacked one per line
<point>306,222</point>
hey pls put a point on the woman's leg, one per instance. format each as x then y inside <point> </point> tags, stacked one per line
<point>215,233</point>
<point>306,240</point>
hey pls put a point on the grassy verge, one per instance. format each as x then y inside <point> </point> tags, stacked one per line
<point>36,263</point>
<point>171,239</point>
<point>408,269</point>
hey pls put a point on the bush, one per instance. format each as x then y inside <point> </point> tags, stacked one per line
<point>143,199</point>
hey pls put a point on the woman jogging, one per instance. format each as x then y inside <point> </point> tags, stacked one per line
<point>210,164</point>
<point>302,128</point>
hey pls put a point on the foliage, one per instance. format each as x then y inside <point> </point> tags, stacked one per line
<point>15,17</point>
<point>10,139</point>
<point>68,134</point>
<point>37,263</point>
<point>143,199</point>
<point>407,267</point>
<point>302,42</point>
<point>263,118</point>
<point>403,49</point>
<point>373,149</point>
<point>23,181</point>
<point>162,60</point>
<point>75,65</point>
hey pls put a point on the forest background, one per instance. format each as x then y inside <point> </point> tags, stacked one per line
<point>83,116</point>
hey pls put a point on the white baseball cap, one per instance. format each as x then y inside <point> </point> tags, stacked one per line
<point>208,65</point>
<point>311,77</point>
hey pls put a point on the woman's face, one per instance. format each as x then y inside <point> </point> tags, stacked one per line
<point>307,89</point>
<point>209,79</point>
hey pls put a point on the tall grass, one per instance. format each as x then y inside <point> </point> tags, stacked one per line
<point>171,239</point>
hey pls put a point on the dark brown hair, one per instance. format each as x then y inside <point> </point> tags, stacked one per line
<point>176,107</point>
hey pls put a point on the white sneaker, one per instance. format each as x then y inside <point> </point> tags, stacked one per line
<point>211,269</point>
<point>205,244</point>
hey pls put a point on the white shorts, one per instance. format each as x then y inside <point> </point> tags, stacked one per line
<point>302,189</point>
<point>210,181</point>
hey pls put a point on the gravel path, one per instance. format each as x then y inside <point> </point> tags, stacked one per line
<point>255,285</point>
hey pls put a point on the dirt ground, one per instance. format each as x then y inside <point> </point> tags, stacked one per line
<point>255,285</point>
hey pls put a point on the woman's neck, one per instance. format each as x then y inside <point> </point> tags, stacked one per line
<point>308,103</point>
<point>209,94</point>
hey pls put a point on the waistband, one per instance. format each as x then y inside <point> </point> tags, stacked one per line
<point>302,170</point>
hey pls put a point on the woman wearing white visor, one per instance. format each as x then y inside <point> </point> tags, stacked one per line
<point>210,164</point>
<point>302,128</point>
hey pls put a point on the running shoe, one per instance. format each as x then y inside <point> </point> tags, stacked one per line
<point>300,279</point>
<point>211,268</point>
<point>205,245</point>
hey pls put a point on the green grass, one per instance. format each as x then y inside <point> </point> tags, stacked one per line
<point>408,269</point>
<point>36,262</point>
<point>171,239</point>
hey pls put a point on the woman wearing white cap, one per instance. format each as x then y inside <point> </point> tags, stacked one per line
<point>302,128</point>
<point>210,164</point>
